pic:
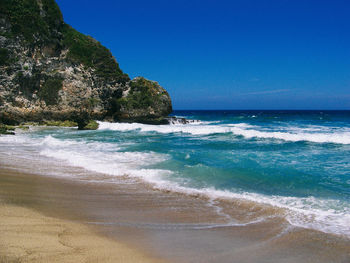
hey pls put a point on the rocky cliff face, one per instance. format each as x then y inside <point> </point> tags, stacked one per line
<point>49,71</point>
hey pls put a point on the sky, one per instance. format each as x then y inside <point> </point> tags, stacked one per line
<point>218,54</point>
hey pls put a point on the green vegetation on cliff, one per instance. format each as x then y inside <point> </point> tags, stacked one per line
<point>41,22</point>
<point>28,84</point>
<point>4,56</point>
<point>49,90</point>
<point>5,129</point>
<point>42,59</point>
<point>89,52</point>
<point>61,123</point>
<point>142,94</point>
<point>27,19</point>
<point>92,125</point>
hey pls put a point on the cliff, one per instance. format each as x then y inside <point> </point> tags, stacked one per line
<point>50,71</point>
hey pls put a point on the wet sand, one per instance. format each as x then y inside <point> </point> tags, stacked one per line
<point>160,225</point>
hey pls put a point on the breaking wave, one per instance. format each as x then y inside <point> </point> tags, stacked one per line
<point>240,129</point>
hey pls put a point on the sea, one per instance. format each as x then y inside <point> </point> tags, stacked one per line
<point>293,162</point>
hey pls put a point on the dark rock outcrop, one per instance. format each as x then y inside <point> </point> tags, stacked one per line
<point>177,120</point>
<point>5,130</point>
<point>49,71</point>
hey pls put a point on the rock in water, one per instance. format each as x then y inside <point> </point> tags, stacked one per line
<point>176,120</point>
<point>50,71</point>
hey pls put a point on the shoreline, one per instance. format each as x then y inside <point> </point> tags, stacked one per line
<point>165,225</point>
<point>86,167</point>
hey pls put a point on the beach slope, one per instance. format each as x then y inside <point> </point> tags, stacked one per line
<point>29,236</point>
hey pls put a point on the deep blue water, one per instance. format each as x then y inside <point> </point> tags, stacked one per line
<point>289,153</point>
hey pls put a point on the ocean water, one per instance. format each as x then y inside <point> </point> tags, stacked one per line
<point>296,161</point>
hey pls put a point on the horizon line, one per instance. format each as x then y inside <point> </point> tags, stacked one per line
<point>261,109</point>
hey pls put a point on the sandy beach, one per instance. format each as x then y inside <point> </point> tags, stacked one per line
<point>45,219</point>
<point>178,132</point>
<point>29,236</point>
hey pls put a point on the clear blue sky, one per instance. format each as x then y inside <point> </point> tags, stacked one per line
<point>239,54</point>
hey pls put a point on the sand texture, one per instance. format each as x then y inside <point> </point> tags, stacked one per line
<point>45,219</point>
<point>29,236</point>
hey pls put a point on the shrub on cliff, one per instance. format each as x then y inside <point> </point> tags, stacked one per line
<point>142,94</point>
<point>4,56</point>
<point>27,18</point>
<point>89,52</point>
<point>38,50</point>
<point>49,90</point>
<point>41,22</point>
<point>92,125</point>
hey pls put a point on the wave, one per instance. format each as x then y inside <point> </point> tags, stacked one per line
<point>240,129</point>
<point>338,138</point>
<point>309,212</point>
<point>52,142</point>
<point>102,157</point>
<point>327,215</point>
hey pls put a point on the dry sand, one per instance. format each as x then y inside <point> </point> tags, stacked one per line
<point>29,236</point>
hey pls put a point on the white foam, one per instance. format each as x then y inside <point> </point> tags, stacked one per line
<point>101,157</point>
<point>14,139</point>
<point>240,129</point>
<point>340,137</point>
<point>242,125</point>
<point>308,212</point>
<point>176,128</point>
<point>94,156</point>
<point>330,216</point>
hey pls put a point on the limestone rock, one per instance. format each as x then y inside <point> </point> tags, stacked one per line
<point>50,71</point>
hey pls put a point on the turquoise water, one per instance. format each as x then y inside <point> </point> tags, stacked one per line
<point>297,160</point>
